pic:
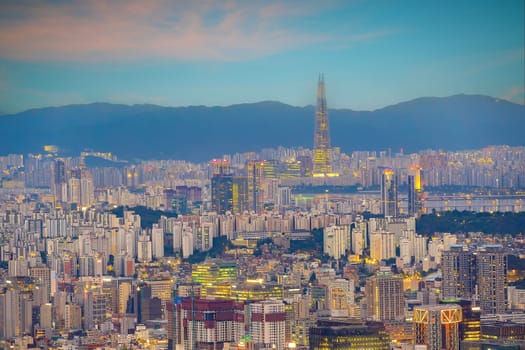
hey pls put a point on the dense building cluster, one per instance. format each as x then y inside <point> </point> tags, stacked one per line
<point>77,274</point>
<point>98,253</point>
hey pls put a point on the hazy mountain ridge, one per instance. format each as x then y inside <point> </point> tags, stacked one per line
<point>200,132</point>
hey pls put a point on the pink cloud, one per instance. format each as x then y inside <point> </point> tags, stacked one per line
<point>99,29</point>
<point>515,94</point>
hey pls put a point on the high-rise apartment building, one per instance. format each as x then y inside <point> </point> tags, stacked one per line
<point>209,323</point>
<point>492,279</point>
<point>382,245</point>
<point>73,316</point>
<point>157,241</point>
<point>385,299</point>
<point>458,267</point>
<point>336,240</point>
<point>267,324</point>
<point>485,270</point>
<point>42,277</point>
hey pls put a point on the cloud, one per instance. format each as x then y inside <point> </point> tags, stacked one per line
<point>515,94</point>
<point>96,30</point>
<point>495,59</point>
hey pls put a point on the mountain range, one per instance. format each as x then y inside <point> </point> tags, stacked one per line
<point>199,133</point>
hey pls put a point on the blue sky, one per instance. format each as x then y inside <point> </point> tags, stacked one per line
<point>179,53</point>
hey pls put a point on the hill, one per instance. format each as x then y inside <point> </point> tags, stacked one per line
<point>199,133</point>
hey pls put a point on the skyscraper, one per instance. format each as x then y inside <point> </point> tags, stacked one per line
<point>255,185</point>
<point>322,162</point>
<point>59,179</point>
<point>492,279</point>
<point>470,326</point>
<point>437,326</point>
<point>415,190</point>
<point>389,193</point>
<point>222,193</point>
<point>231,193</point>
<point>459,273</point>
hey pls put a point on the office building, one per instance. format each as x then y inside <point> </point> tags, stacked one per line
<point>149,305</point>
<point>242,199</point>
<point>348,335</point>
<point>232,193</point>
<point>222,193</point>
<point>389,205</point>
<point>215,276</point>
<point>503,330</point>
<point>437,326</point>
<point>470,326</point>
<point>256,185</point>
<point>415,191</point>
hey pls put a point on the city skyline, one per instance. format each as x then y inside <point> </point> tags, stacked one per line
<point>176,54</point>
<point>170,180</point>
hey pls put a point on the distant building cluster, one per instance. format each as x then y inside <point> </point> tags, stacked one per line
<point>281,249</point>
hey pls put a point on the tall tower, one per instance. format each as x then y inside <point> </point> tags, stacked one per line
<point>322,151</point>
<point>389,193</point>
<point>255,185</point>
<point>415,190</point>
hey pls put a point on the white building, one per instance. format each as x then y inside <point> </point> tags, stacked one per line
<point>340,297</point>
<point>382,245</point>
<point>336,240</point>
<point>157,241</point>
<point>268,322</point>
<point>144,253</point>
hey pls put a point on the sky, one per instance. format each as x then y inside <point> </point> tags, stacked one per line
<point>178,53</point>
